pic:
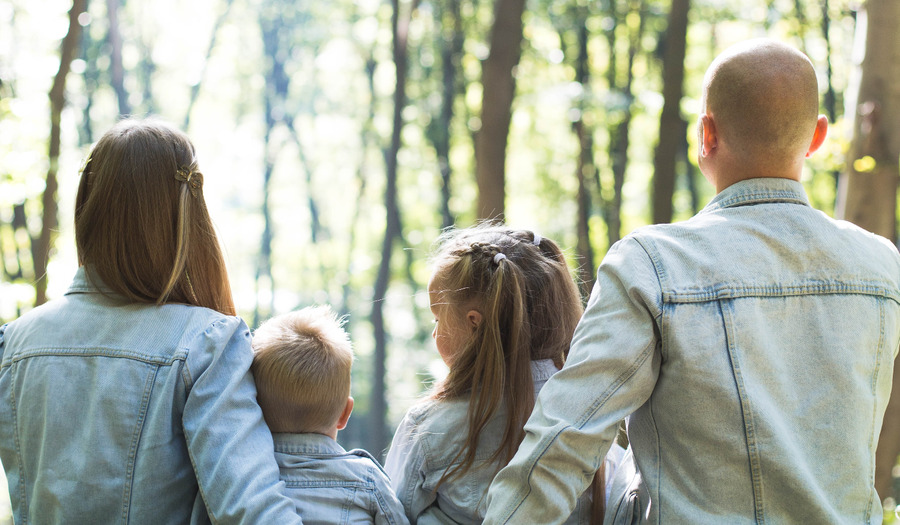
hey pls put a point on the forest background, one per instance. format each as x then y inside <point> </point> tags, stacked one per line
<point>337,139</point>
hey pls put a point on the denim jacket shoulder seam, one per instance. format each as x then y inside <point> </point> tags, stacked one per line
<point>659,270</point>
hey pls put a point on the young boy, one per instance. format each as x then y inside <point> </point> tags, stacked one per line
<point>301,366</point>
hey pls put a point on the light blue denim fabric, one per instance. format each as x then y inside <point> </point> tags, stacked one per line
<point>752,347</point>
<point>424,447</point>
<point>331,486</point>
<point>133,413</point>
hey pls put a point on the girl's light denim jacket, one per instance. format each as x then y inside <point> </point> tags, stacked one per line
<point>332,486</point>
<point>113,412</point>
<point>424,447</point>
<point>752,347</point>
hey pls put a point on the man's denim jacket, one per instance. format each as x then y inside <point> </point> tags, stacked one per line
<point>331,486</point>
<point>424,447</point>
<point>753,348</point>
<point>133,413</point>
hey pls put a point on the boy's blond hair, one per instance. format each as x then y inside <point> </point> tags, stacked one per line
<point>301,365</point>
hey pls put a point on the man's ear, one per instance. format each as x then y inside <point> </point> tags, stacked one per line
<point>709,139</point>
<point>345,415</point>
<point>474,317</point>
<point>819,135</point>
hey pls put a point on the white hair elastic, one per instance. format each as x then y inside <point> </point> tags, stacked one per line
<point>537,239</point>
<point>499,257</point>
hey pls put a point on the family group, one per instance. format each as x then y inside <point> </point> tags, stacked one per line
<point>748,351</point>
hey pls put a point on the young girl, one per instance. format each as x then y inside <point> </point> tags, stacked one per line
<point>130,399</point>
<point>505,309</point>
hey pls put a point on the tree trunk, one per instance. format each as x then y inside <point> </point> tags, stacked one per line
<point>277,83</point>
<point>585,171</point>
<point>499,85</point>
<point>116,68</point>
<point>671,124</point>
<point>195,88</point>
<point>43,244</point>
<point>618,132</point>
<point>867,192</point>
<point>378,413</point>
<point>829,101</point>
<point>451,42</point>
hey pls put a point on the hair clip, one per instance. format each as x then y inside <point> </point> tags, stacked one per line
<point>192,177</point>
<point>499,257</point>
<point>537,239</point>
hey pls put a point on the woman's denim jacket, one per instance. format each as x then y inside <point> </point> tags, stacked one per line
<point>753,348</point>
<point>132,413</point>
<point>424,447</point>
<point>331,486</point>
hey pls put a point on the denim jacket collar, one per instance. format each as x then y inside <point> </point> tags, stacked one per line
<point>81,284</point>
<point>306,443</point>
<point>758,191</point>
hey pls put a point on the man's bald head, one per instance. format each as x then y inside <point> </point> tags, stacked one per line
<point>763,97</point>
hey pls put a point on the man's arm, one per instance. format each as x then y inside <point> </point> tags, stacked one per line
<point>611,371</point>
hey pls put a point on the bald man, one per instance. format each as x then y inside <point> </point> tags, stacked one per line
<point>749,348</point>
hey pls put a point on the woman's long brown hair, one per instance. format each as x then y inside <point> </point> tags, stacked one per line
<point>141,232</point>
<point>529,305</point>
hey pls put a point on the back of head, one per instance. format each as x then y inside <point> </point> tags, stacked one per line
<point>530,306</point>
<point>763,97</point>
<point>141,223</point>
<point>302,364</point>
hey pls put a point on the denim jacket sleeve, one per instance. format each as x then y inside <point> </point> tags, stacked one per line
<point>389,509</point>
<point>612,368</point>
<point>229,444</point>
<point>404,465</point>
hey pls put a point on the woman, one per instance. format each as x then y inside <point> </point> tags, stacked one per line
<point>130,399</point>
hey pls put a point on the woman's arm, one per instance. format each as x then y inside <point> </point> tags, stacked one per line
<point>229,443</point>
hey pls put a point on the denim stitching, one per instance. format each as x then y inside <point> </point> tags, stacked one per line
<point>23,479</point>
<point>135,442</point>
<point>724,292</point>
<point>746,414</point>
<point>873,438</point>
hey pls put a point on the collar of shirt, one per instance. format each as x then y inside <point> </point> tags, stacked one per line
<point>306,443</point>
<point>758,191</point>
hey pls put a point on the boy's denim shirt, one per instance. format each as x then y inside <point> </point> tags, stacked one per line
<point>427,443</point>
<point>331,486</point>
<point>753,348</point>
<point>113,412</point>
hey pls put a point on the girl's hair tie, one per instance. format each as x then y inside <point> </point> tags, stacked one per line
<point>537,239</point>
<point>499,257</point>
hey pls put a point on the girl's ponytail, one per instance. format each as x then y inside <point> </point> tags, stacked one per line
<point>529,305</point>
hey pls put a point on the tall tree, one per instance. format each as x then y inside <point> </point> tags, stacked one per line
<point>451,39</point>
<point>867,193</point>
<point>43,244</point>
<point>671,124</point>
<point>116,67</point>
<point>393,227</point>
<point>276,29</point>
<point>195,87</point>
<point>619,127</point>
<point>585,168</point>
<point>498,90</point>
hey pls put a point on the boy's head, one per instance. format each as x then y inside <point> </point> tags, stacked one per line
<point>301,365</point>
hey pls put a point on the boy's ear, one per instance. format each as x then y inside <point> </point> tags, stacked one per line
<point>345,415</point>
<point>474,317</point>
